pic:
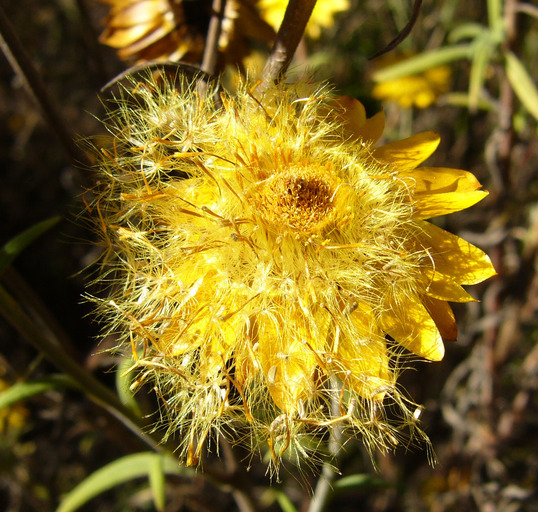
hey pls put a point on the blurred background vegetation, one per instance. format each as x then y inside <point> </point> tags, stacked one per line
<point>480,402</point>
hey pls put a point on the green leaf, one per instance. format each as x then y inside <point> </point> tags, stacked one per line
<point>157,483</point>
<point>23,390</point>
<point>118,472</point>
<point>124,378</point>
<point>461,99</point>
<point>522,84</point>
<point>16,245</point>
<point>358,481</point>
<point>424,61</point>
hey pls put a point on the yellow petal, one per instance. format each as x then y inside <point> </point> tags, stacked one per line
<point>436,180</point>
<point>411,326</point>
<point>433,205</point>
<point>407,154</point>
<point>372,129</point>
<point>356,125</point>
<point>361,360</point>
<point>352,110</point>
<point>289,375</point>
<point>454,256</point>
<point>121,37</point>
<point>364,367</point>
<point>442,315</point>
<point>289,365</point>
<point>442,287</point>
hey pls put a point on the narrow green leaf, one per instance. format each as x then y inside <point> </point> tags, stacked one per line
<point>124,378</point>
<point>284,502</point>
<point>23,390</point>
<point>157,482</point>
<point>118,472</point>
<point>466,31</point>
<point>461,99</point>
<point>17,244</point>
<point>479,66</point>
<point>424,61</point>
<point>522,84</point>
<point>358,481</point>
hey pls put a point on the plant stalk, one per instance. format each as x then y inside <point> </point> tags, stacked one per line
<point>287,39</point>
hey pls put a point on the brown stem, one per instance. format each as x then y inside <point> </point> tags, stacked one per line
<point>287,39</point>
<point>21,64</point>
<point>501,160</point>
<point>211,50</point>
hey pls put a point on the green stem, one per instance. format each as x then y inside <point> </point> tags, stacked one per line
<point>424,61</point>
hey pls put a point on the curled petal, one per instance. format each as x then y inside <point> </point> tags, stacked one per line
<point>135,13</point>
<point>121,37</point>
<point>440,180</point>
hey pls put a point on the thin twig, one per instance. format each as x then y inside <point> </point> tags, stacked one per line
<point>403,33</point>
<point>287,39</point>
<point>527,8</point>
<point>21,64</point>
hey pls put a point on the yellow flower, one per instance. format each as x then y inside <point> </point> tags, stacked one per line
<point>322,15</point>
<point>148,30</point>
<point>272,267</point>
<point>420,90</point>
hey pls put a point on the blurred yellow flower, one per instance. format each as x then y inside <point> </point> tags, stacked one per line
<point>11,417</point>
<point>148,30</point>
<point>420,90</point>
<point>322,15</point>
<point>263,250</point>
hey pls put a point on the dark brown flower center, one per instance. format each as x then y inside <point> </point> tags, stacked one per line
<point>302,201</point>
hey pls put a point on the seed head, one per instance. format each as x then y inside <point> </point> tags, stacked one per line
<point>271,268</point>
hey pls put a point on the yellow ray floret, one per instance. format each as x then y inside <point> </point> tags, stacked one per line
<point>273,268</point>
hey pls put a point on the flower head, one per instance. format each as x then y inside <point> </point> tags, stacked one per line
<point>147,30</point>
<point>271,266</point>
<point>420,90</point>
